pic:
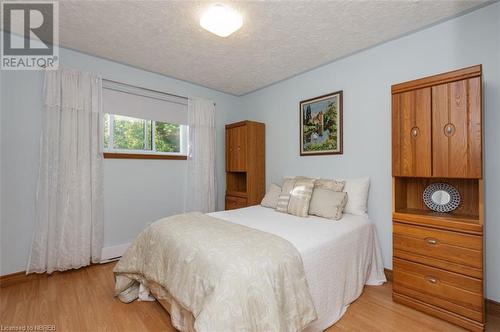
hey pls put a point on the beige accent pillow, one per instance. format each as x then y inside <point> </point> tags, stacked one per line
<point>329,184</point>
<point>301,196</point>
<point>271,198</point>
<point>284,197</point>
<point>327,203</point>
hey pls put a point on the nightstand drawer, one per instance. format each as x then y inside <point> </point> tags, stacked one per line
<point>234,202</point>
<point>449,246</point>
<point>451,291</point>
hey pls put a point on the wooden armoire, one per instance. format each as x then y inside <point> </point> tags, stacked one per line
<point>437,137</point>
<point>245,164</point>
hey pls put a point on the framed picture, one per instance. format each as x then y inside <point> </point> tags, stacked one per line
<point>321,125</point>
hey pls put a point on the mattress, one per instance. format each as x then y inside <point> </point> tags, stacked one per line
<point>339,257</point>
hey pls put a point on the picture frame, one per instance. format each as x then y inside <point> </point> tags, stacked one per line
<point>321,131</point>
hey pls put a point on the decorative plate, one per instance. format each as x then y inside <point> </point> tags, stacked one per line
<point>441,197</point>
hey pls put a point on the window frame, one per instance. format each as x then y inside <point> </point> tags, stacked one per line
<point>145,154</point>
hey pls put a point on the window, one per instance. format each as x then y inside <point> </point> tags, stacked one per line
<point>141,123</point>
<point>127,134</point>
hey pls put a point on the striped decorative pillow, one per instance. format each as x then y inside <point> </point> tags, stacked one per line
<point>284,197</point>
<point>300,196</point>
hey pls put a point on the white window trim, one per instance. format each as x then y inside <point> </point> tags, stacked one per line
<point>144,152</point>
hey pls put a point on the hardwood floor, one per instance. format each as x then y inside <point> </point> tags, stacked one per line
<point>82,300</point>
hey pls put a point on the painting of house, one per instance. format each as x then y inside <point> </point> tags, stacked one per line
<point>321,125</point>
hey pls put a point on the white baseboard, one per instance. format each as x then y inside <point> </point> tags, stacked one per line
<point>113,252</point>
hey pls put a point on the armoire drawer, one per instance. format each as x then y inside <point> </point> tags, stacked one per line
<point>234,202</point>
<point>452,291</point>
<point>449,246</point>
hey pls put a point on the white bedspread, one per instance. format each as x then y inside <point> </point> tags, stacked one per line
<point>339,257</point>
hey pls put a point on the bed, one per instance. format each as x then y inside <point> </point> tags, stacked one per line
<point>338,257</point>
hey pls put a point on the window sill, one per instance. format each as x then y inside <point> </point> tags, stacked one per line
<point>116,155</point>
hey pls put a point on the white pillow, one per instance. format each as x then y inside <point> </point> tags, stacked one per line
<point>271,198</point>
<point>357,193</point>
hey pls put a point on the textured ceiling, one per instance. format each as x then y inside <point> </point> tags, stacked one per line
<point>277,40</point>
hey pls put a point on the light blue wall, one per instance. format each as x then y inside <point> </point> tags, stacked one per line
<point>151,189</point>
<point>366,80</point>
<point>136,192</point>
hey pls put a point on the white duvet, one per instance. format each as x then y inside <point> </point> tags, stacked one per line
<point>339,257</point>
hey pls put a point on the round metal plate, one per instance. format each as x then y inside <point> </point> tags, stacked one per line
<point>448,207</point>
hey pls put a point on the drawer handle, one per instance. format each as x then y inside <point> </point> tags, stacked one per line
<point>431,241</point>
<point>432,280</point>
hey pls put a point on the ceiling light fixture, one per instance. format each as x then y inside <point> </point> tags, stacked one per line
<point>221,20</point>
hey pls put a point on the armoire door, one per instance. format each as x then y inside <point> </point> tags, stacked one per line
<point>411,133</point>
<point>229,150</point>
<point>456,133</point>
<point>236,149</point>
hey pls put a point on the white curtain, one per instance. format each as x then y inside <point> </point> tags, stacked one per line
<point>201,185</point>
<point>69,202</point>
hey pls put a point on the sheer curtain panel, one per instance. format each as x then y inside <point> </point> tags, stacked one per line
<point>69,202</point>
<point>201,185</point>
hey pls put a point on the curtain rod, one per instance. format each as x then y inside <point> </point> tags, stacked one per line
<point>156,91</point>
